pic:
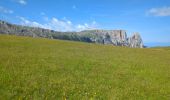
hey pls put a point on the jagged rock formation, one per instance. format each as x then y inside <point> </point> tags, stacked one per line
<point>114,37</point>
<point>135,41</point>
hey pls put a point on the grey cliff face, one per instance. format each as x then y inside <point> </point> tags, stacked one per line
<point>135,41</point>
<point>113,37</point>
<point>116,37</point>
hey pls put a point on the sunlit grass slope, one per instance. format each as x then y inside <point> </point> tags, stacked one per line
<point>34,68</point>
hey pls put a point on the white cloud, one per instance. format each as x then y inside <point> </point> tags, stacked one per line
<point>5,10</point>
<point>59,25</point>
<point>22,2</point>
<point>86,26</point>
<point>164,11</point>
<point>26,22</point>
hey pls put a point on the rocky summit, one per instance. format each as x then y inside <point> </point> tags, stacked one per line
<point>113,37</point>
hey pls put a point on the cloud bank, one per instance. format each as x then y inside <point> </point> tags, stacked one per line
<point>59,25</point>
<point>163,11</point>
<point>5,10</point>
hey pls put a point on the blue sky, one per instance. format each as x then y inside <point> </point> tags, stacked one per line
<point>151,18</point>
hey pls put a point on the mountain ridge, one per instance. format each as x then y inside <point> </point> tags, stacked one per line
<point>113,37</point>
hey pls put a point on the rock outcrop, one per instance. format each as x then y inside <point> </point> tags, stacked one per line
<point>135,41</point>
<point>114,37</point>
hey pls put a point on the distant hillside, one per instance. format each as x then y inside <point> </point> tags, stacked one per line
<point>114,37</point>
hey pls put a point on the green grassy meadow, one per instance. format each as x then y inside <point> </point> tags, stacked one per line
<point>38,69</point>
